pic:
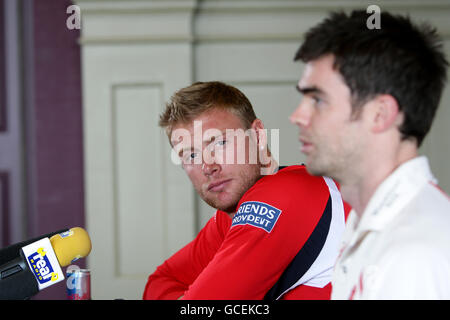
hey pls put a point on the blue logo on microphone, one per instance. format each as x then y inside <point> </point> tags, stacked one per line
<point>257,214</point>
<point>42,267</point>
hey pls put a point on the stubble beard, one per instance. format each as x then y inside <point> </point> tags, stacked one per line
<point>326,163</point>
<point>246,180</point>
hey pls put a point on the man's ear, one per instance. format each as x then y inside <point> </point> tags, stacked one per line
<point>384,113</point>
<point>264,154</point>
<point>261,135</point>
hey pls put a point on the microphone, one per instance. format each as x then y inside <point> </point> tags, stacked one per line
<point>71,245</point>
<point>37,265</point>
<point>11,252</point>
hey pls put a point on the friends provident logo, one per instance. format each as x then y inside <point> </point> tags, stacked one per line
<point>257,214</point>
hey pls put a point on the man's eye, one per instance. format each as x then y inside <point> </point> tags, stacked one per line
<point>188,157</point>
<point>192,155</point>
<point>317,100</point>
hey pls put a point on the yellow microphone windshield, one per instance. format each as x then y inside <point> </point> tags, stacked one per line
<point>71,245</point>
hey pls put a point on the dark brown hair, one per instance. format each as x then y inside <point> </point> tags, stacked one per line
<point>401,59</point>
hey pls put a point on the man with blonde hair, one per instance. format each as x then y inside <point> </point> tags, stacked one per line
<point>276,229</point>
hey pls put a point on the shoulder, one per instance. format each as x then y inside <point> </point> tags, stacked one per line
<point>434,198</point>
<point>294,171</point>
<point>426,217</point>
<point>290,188</point>
<point>296,177</point>
<point>415,270</point>
<point>417,264</point>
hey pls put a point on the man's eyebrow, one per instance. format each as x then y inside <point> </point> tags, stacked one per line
<point>206,140</point>
<point>214,137</point>
<point>182,150</point>
<point>306,90</point>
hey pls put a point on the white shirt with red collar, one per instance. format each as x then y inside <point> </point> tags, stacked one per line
<point>400,248</point>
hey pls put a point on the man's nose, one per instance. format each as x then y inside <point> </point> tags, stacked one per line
<point>210,169</point>
<point>301,115</point>
<point>210,166</point>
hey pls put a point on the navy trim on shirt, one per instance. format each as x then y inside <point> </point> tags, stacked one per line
<point>305,257</point>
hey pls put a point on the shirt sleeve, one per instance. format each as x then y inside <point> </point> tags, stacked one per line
<point>275,218</point>
<point>173,277</point>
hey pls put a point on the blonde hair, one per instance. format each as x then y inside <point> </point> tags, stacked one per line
<point>188,103</point>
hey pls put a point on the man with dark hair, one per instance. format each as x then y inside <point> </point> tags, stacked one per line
<point>276,230</point>
<point>369,98</point>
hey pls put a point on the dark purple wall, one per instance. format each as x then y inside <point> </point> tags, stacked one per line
<point>56,116</point>
<point>54,124</point>
<point>2,70</point>
<point>4,208</point>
